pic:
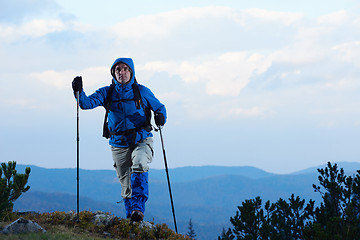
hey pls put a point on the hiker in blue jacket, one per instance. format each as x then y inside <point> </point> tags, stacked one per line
<point>128,105</point>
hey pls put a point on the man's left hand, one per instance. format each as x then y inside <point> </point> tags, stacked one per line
<point>159,119</point>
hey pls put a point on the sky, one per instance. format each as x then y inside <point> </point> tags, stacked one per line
<point>269,84</point>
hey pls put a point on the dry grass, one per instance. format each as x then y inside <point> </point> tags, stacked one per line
<point>61,226</point>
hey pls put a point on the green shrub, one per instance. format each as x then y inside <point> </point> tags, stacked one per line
<point>12,185</point>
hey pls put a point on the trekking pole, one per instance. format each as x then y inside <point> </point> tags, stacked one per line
<point>77,155</point>
<point>168,179</point>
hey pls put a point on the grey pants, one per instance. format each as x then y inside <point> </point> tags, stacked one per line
<point>138,162</point>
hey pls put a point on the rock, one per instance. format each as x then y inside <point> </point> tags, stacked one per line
<point>102,219</point>
<point>146,224</point>
<point>72,215</point>
<point>22,225</point>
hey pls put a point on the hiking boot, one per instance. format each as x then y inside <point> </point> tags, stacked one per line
<point>137,216</point>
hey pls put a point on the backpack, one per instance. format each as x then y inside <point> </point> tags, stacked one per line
<point>138,102</point>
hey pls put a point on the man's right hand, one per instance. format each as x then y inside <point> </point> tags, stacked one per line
<point>77,84</point>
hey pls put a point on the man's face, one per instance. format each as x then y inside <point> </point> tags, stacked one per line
<point>122,73</point>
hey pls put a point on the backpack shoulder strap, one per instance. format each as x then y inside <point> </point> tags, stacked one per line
<point>139,103</point>
<point>137,95</point>
<point>107,102</point>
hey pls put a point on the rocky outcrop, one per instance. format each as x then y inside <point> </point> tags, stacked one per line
<point>22,225</point>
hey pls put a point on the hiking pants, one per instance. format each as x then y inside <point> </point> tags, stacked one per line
<point>132,171</point>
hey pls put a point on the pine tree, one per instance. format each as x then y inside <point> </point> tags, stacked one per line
<point>336,218</point>
<point>191,232</point>
<point>12,185</point>
<point>226,235</point>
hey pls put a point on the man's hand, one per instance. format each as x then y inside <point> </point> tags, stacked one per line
<point>77,84</point>
<point>159,119</point>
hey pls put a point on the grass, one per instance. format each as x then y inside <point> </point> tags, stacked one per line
<point>56,234</point>
<point>61,226</point>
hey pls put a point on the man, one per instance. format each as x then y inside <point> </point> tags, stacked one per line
<point>130,130</point>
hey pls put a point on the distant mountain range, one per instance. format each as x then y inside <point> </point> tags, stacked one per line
<point>207,195</point>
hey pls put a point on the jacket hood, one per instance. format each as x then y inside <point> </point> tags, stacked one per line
<point>127,61</point>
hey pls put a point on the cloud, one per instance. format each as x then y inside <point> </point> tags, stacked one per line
<point>225,109</point>
<point>162,25</point>
<point>222,51</point>
<point>334,19</point>
<point>268,38</point>
<point>285,18</point>
<point>19,10</point>
<point>24,20</point>
<point>33,29</point>
<point>231,72</point>
<point>225,75</point>
<point>38,28</point>
<point>348,52</point>
<point>92,77</point>
<point>343,83</point>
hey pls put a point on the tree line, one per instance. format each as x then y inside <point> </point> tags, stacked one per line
<point>337,217</point>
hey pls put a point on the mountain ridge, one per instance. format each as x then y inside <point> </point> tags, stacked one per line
<point>347,166</point>
<point>209,199</point>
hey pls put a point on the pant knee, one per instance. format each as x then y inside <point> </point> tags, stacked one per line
<point>141,158</point>
<point>139,167</point>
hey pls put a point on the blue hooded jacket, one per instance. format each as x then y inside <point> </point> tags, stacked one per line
<point>123,115</point>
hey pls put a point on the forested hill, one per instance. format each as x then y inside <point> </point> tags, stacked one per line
<point>208,195</point>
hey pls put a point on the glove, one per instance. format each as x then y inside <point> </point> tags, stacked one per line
<point>159,119</point>
<point>77,84</point>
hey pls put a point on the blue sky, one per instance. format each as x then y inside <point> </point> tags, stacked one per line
<point>269,84</point>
